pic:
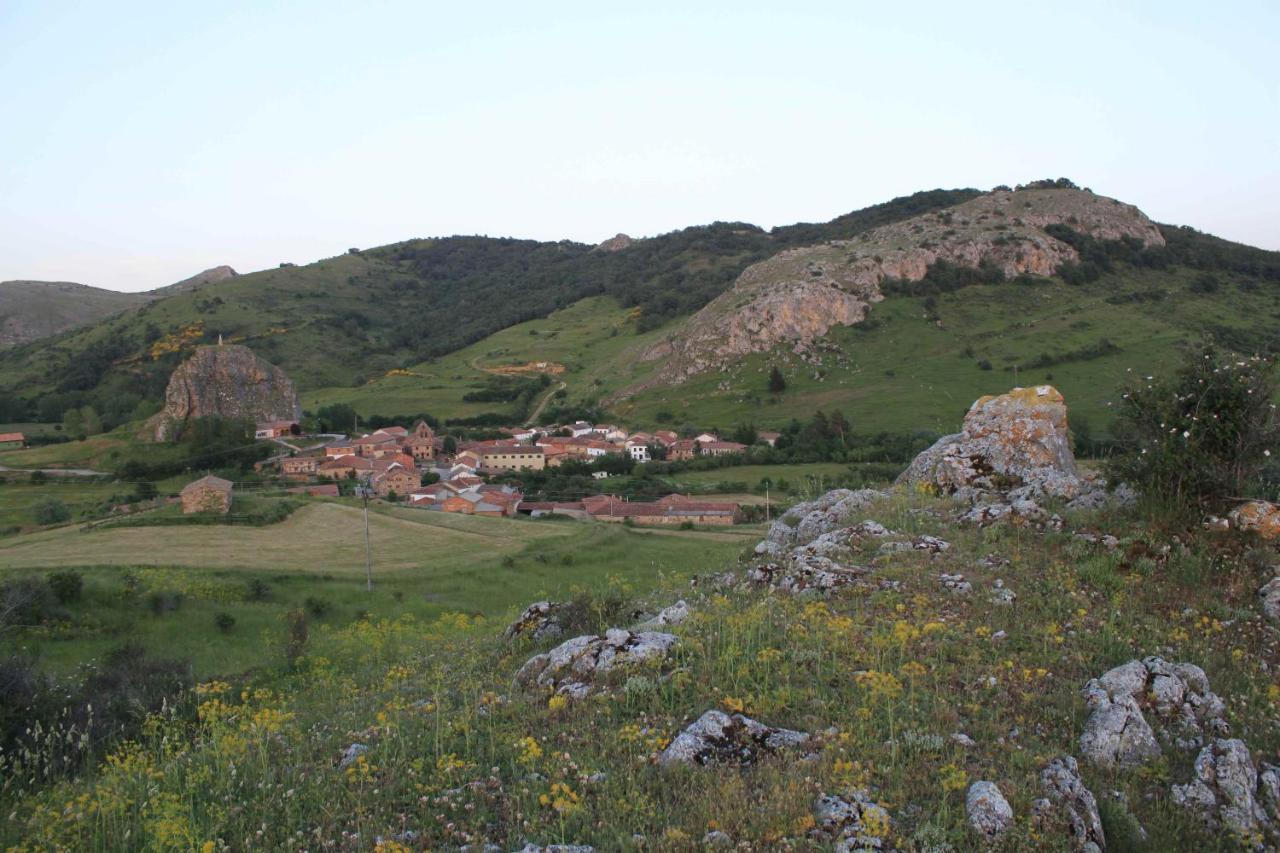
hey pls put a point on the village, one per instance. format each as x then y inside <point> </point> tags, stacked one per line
<point>417,468</point>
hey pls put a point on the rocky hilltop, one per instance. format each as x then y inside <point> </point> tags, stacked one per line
<point>795,297</point>
<point>225,381</point>
<point>213,275</point>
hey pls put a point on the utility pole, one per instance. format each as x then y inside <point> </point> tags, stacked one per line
<point>368,556</point>
<point>766,502</point>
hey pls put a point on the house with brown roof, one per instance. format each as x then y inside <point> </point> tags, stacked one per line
<point>297,467</point>
<point>12,440</point>
<point>346,466</point>
<point>519,457</point>
<point>683,449</point>
<point>722,448</point>
<point>673,509</point>
<point>208,494</point>
<point>342,447</point>
<point>666,437</point>
<point>399,480</point>
<point>274,429</point>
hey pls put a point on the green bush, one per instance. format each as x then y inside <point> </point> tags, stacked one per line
<point>66,586</point>
<point>50,511</point>
<point>224,622</point>
<point>257,590</point>
<point>1201,435</point>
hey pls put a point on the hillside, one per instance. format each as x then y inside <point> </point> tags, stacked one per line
<point>344,320</point>
<point>30,310</point>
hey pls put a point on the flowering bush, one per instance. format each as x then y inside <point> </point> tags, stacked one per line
<point>1203,434</point>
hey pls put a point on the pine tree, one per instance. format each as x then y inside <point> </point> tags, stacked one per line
<point>777,384</point>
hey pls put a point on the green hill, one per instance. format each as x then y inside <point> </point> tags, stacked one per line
<point>30,310</point>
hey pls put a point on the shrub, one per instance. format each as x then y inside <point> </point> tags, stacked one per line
<point>38,478</point>
<point>297,632</point>
<point>1202,435</point>
<point>318,607</point>
<point>50,511</point>
<point>224,622</point>
<point>257,590</point>
<point>66,586</point>
<point>161,603</point>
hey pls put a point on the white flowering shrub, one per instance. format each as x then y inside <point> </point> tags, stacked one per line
<point>1200,435</point>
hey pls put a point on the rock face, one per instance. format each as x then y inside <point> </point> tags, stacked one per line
<point>1066,792</point>
<point>720,738</point>
<point>1229,794</point>
<point>1259,516</point>
<point>989,812</point>
<point>1019,436</point>
<point>572,667</point>
<point>1118,735</point>
<point>229,382</point>
<point>797,296</point>
<point>616,243</point>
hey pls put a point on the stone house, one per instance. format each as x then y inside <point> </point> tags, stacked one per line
<point>683,449</point>
<point>402,481</point>
<point>722,448</point>
<point>208,494</point>
<point>297,467</point>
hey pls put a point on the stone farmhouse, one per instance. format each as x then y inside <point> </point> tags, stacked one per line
<point>207,495</point>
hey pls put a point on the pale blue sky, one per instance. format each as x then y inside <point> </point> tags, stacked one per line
<point>144,142</point>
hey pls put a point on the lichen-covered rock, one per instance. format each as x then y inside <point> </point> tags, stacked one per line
<point>351,753</point>
<point>730,739</point>
<point>805,522</point>
<point>1067,793</point>
<point>1259,517</point>
<point>1019,438</point>
<point>1226,793</point>
<point>1270,595</point>
<point>989,812</point>
<point>805,574</point>
<point>572,667</point>
<point>1118,734</point>
<point>675,614</point>
<point>851,823</point>
<point>540,621</point>
<point>226,382</point>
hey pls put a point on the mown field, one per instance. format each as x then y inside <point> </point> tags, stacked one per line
<point>883,673</point>
<point>423,564</point>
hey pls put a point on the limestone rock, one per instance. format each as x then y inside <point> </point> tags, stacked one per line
<point>989,812</point>
<point>730,739</point>
<point>1067,792</point>
<point>616,243</point>
<point>227,382</point>
<point>541,620</point>
<point>805,522</point>
<point>557,848</point>
<point>351,753</point>
<point>1270,595</point>
<point>1258,516</point>
<point>852,822</point>
<point>1225,792</point>
<point>805,574</point>
<point>673,615</point>
<point>1118,734</point>
<point>572,667</point>
<point>1020,436</point>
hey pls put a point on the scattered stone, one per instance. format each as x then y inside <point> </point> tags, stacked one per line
<point>673,615</point>
<point>540,620</point>
<point>999,635</point>
<point>1117,734</point>
<point>1067,793</point>
<point>557,848</point>
<point>1106,540</point>
<point>931,544</point>
<point>1023,512</point>
<point>735,740</point>
<point>1270,595</point>
<point>853,822</point>
<point>962,739</point>
<point>352,752</point>
<point>715,839</point>
<point>1001,594</point>
<point>1261,517</point>
<point>955,583</point>
<point>572,667</point>
<point>989,812</point>
<point>1225,792</point>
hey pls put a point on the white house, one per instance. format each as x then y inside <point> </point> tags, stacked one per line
<point>706,438</point>
<point>581,428</point>
<point>638,450</point>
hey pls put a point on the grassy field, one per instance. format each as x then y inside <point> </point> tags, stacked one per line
<point>423,563</point>
<point>18,498</point>
<point>586,339</point>
<point>882,672</point>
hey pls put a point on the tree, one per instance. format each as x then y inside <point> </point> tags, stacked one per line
<point>777,383</point>
<point>73,423</point>
<point>745,434</point>
<point>429,477</point>
<point>50,511</point>
<point>92,421</point>
<point>450,444</point>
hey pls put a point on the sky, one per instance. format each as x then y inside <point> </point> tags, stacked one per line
<point>144,142</point>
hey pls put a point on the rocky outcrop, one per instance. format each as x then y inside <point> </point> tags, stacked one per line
<point>1067,795</point>
<point>1118,734</point>
<point>227,382</point>
<point>542,620</point>
<point>1012,442</point>
<point>797,296</point>
<point>1259,517</point>
<point>616,243</point>
<point>675,614</point>
<point>213,275</point>
<point>1228,793</point>
<point>806,522</point>
<point>730,739</point>
<point>573,667</point>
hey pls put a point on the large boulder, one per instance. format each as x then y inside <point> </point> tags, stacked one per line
<point>807,521</point>
<point>1014,439</point>
<point>732,739</point>
<point>1260,517</point>
<point>572,668</point>
<point>226,382</point>
<point>989,812</point>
